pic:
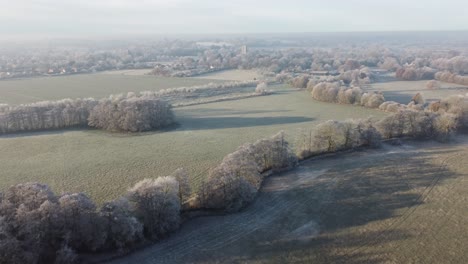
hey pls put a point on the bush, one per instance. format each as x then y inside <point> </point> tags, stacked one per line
<point>372,99</point>
<point>262,88</point>
<point>433,85</point>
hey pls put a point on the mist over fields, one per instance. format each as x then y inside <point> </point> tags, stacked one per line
<point>233,132</point>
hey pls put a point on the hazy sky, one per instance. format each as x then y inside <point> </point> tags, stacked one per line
<point>114,17</point>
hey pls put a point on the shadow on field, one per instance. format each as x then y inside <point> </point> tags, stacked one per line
<point>346,208</point>
<point>60,131</point>
<point>203,123</point>
<point>227,111</point>
<point>354,192</point>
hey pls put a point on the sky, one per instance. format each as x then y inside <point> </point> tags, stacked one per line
<point>65,18</point>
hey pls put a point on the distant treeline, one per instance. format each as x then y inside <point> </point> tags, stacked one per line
<point>451,78</point>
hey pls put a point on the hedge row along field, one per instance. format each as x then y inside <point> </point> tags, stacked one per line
<point>129,112</point>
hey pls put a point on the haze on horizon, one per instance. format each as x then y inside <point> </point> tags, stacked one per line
<point>59,18</point>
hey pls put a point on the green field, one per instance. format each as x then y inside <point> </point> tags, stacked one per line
<point>397,204</point>
<point>104,165</point>
<point>20,91</point>
<point>403,91</point>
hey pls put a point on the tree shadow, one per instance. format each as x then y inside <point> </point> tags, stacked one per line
<point>355,190</point>
<point>204,123</point>
<point>59,131</point>
<point>227,111</point>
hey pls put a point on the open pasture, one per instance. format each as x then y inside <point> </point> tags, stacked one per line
<point>397,204</point>
<point>403,91</point>
<point>21,91</point>
<point>104,165</point>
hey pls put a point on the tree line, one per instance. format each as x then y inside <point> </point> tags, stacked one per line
<point>128,113</point>
<point>447,76</point>
<point>335,92</point>
<point>131,112</point>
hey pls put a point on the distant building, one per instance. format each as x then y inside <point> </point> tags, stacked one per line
<point>244,50</point>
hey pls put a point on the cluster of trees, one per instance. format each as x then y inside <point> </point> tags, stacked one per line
<point>451,78</point>
<point>454,105</point>
<point>234,183</point>
<point>417,103</point>
<point>351,77</point>
<point>435,120</point>
<point>37,226</point>
<point>418,124</point>
<point>413,73</point>
<point>392,106</point>
<point>300,81</point>
<point>456,64</point>
<point>390,63</point>
<point>131,113</point>
<point>332,136</point>
<point>336,93</point>
<point>356,77</point>
<point>45,115</point>
<point>117,113</point>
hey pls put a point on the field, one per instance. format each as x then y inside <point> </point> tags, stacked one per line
<point>138,72</point>
<point>403,91</point>
<point>100,85</point>
<point>104,165</point>
<point>397,204</point>
<point>232,75</point>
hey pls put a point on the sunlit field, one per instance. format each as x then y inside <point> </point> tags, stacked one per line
<point>104,164</point>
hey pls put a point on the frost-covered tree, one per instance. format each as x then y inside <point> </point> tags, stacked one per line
<point>262,88</point>
<point>123,229</point>
<point>185,190</point>
<point>83,227</point>
<point>433,85</point>
<point>155,202</point>
<point>131,113</point>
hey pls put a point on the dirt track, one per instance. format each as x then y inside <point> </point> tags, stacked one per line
<point>398,204</point>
